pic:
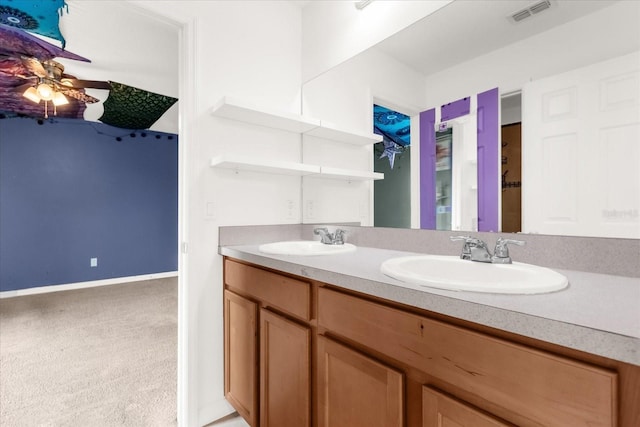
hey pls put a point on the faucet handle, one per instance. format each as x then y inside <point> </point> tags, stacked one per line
<point>319,230</point>
<point>466,248</point>
<point>338,236</point>
<point>501,252</point>
<point>325,236</point>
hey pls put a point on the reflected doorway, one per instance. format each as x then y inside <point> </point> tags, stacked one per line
<point>444,178</point>
<point>392,156</point>
<point>511,162</point>
<point>511,178</point>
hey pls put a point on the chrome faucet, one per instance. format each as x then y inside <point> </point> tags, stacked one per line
<point>335,238</point>
<point>473,249</point>
<point>501,252</point>
<point>477,250</point>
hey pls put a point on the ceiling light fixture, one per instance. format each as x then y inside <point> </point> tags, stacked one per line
<point>362,4</point>
<point>46,92</point>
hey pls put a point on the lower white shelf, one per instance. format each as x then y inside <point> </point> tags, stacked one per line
<point>259,165</point>
<point>292,168</point>
<point>349,174</point>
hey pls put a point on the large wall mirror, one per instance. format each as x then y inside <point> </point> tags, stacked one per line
<point>550,63</point>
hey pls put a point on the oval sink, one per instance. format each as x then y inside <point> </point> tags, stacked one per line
<point>453,273</point>
<point>305,247</point>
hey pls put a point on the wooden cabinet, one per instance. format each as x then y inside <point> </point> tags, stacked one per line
<point>240,362</point>
<point>440,410</point>
<point>355,390</point>
<point>541,387</point>
<point>285,370</point>
<point>267,353</point>
<point>300,353</point>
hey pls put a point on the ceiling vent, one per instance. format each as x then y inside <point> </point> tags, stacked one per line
<point>531,10</point>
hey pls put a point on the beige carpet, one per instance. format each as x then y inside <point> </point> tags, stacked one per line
<point>102,356</point>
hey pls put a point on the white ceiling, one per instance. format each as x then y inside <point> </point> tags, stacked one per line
<point>130,45</point>
<point>125,44</point>
<point>465,29</point>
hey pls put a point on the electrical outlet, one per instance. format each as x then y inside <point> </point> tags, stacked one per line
<point>289,208</point>
<point>310,209</point>
<point>94,262</point>
<point>364,211</point>
<point>211,211</point>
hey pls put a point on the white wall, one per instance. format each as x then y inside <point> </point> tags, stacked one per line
<point>607,33</point>
<point>334,31</point>
<point>345,96</point>
<point>250,50</point>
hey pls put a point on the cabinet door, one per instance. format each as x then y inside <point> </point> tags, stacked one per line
<point>439,410</point>
<point>240,352</point>
<point>285,371</point>
<point>355,390</point>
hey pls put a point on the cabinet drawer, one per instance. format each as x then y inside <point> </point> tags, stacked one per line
<point>284,293</point>
<point>441,410</point>
<point>544,388</point>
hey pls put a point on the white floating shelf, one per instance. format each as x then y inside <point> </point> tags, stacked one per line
<point>236,109</point>
<point>292,168</point>
<point>267,166</point>
<point>330,131</point>
<point>349,174</point>
<point>232,108</point>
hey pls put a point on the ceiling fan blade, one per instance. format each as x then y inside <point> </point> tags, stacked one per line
<point>86,84</point>
<point>34,66</point>
<point>21,88</point>
<point>76,94</point>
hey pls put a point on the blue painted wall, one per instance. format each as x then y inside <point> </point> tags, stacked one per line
<point>70,192</point>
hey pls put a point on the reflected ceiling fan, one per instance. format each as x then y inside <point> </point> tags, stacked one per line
<point>49,83</point>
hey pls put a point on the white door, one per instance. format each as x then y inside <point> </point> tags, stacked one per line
<point>581,151</point>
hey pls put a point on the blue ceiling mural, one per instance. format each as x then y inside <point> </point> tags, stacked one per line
<point>395,129</point>
<point>39,16</point>
<point>392,125</point>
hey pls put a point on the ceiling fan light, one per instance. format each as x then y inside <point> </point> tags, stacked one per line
<point>32,95</point>
<point>59,99</point>
<point>45,91</point>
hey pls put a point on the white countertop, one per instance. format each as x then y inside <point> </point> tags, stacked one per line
<point>597,313</point>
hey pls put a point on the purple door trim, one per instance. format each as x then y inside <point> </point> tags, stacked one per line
<point>488,167</point>
<point>428,169</point>
<point>455,109</point>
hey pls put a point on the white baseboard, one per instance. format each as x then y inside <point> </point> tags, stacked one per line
<point>82,285</point>
<point>214,411</point>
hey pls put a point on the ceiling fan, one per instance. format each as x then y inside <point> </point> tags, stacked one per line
<point>49,83</point>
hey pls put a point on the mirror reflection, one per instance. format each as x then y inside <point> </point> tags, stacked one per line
<point>549,69</point>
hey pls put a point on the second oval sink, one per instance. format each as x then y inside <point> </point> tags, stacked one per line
<point>305,247</point>
<point>453,273</point>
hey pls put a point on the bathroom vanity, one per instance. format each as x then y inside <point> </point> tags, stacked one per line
<point>327,341</point>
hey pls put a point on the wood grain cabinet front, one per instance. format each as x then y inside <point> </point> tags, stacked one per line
<point>285,371</point>
<point>283,293</point>
<point>535,387</point>
<point>440,410</point>
<point>355,390</point>
<point>240,355</point>
<point>267,353</point>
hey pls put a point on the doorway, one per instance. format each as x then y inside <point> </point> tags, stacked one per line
<point>392,157</point>
<point>511,178</point>
<point>511,162</point>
